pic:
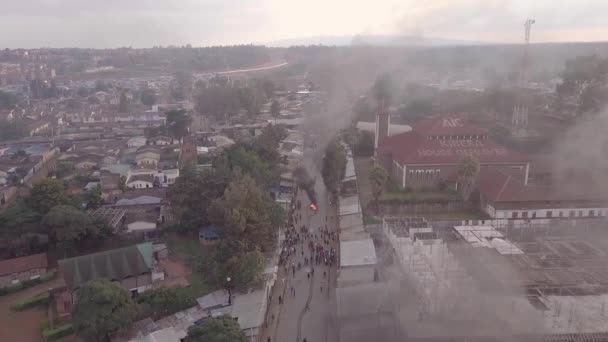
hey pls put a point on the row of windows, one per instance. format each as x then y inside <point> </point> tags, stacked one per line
<point>457,137</point>
<point>549,214</point>
<point>424,174</point>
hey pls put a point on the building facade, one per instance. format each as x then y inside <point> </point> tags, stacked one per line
<point>429,156</point>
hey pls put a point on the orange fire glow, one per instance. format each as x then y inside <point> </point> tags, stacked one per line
<point>313,207</point>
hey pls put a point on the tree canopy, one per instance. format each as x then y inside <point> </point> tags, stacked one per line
<point>46,194</point>
<point>148,96</point>
<point>221,329</point>
<point>468,170</point>
<point>64,222</point>
<point>378,178</point>
<point>164,301</point>
<point>178,123</point>
<point>103,308</point>
<point>193,193</point>
<point>245,214</point>
<point>275,109</point>
<point>12,130</point>
<point>123,104</point>
<point>334,167</point>
<point>7,100</point>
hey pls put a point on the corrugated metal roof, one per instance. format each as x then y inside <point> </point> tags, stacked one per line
<point>116,264</point>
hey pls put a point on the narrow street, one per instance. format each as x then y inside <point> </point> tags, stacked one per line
<point>310,314</point>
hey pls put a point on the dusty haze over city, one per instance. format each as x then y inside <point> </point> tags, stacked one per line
<point>139,23</point>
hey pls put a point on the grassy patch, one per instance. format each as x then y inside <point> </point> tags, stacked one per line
<point>370,219</point>
<point>192,253</point>
<point>57,333</point>
<point>30,302</point>
<point>458,215</point>
<point>186,247</point>
<point>198,286</point>
<point>419,196</point>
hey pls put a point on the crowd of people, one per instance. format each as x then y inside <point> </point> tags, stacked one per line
<point>306,248</point>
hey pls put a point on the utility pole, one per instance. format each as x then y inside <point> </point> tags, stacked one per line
<point>519,119</point>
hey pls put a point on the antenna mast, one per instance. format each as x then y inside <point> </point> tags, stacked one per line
<point>520,111</point>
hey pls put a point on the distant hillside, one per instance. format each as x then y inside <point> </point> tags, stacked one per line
<point>395,40</point>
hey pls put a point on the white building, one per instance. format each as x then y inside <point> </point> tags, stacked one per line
<point>141,182</point>
<point>136,142</point>
<point>509,201</point>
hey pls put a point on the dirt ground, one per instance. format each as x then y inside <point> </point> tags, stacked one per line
<point>23,326</point>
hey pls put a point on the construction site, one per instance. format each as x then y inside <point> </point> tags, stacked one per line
<point>480,282</point>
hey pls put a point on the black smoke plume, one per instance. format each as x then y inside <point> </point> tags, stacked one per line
<point>304,181</point>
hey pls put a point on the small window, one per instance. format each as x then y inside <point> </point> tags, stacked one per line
<point>515,214</point>
<point>571,213</point>
<point>534,215</point>
<point>549,214</point>
<point>524,214</point>
<point>580,213</point>
<point>561,214</point>
<point>592,213</point>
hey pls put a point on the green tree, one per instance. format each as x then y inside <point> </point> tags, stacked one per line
<point>220,102</point>
<point>275,109</point>
<point>269,88</point>
<point>82,92</point>
<point>123,105</point>
<point>249,100</point>
<point>165,301</point>
<point>103,309</point>
<point>378,178</point>
<point>243,158</point>
<point>178,123</point>
<point>12,130</point>
<point>100,86</point>
<point>7,100</point>
<point>365,144</point>
<point>148,97</point>
<point>18,221</point>
<point>245,214</point>
<point>244,266</point>
<point>192,194</point>
<point>122,183</point>
<point>20,173</point>
<point>181,87</point>
<point>46,194</point>
<point>222,329</point>
<point>64,222</point>
<point>93,197</point>
<point>334,167</point>
<point>468,170</point>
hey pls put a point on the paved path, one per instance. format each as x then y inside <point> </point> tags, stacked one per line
<point>311,313</point>
<point>253,69</point>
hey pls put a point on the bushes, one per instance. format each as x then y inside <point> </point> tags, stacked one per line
<point>57,333</point>
<point>38,300</point>
<point>26,284</point>
<point>165,301</point>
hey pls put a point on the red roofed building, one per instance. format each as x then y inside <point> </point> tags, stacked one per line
<point>432,151</point>
<point>13,271</point>
<point>505,197</point>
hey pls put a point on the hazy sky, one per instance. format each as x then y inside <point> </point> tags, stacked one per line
<point>142,23</point>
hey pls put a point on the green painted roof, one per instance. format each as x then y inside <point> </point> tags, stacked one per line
<point>147,252</point>
<point>115,264</point>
